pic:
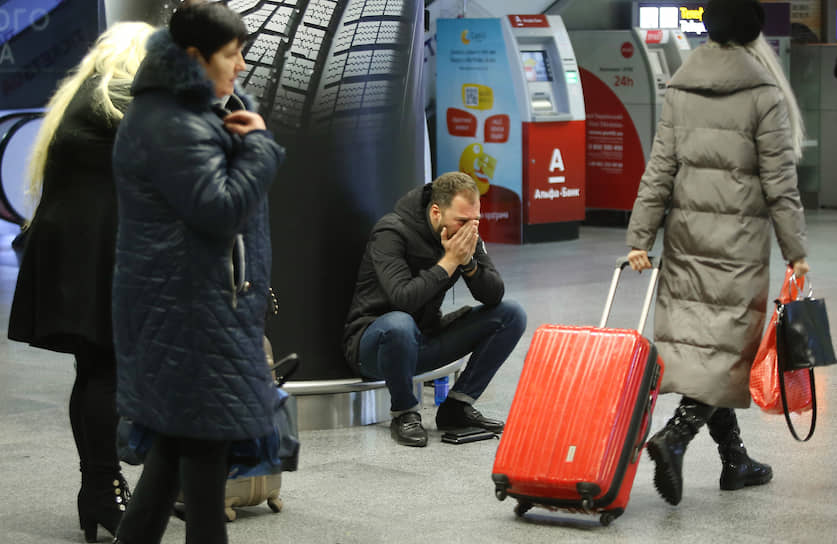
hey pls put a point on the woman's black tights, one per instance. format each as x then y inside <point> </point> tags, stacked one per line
<point>93,411</point>
<point>201,467</point>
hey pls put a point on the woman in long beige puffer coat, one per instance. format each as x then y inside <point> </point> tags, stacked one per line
<point>722,170</point>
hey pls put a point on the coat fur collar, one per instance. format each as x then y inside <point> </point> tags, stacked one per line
<point>167,67</point>
<point>720,69</point>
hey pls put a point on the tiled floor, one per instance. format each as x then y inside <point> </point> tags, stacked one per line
<point>356,486</point>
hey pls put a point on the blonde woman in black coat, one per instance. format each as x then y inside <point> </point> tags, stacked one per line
<point>63,297</point>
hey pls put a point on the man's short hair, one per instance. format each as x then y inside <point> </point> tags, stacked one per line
<point>450,184</point>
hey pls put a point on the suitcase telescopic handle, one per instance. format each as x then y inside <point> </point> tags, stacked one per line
<point>621,263</point>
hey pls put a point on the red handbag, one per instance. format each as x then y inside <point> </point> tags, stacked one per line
<point>764,374</point>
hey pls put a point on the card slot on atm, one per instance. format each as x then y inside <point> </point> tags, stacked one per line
<point>542,102</point>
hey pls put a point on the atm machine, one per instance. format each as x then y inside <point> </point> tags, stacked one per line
<point>625,74</point>
<point>667,49</point>
<point>553,129</point>
<point>511,114</point>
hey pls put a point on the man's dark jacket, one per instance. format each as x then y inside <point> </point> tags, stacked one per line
<point>398,272</point>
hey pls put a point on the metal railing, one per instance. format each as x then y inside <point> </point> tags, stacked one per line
<point>11,124</point>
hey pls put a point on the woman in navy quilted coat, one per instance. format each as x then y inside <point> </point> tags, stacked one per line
<point>192,270</point>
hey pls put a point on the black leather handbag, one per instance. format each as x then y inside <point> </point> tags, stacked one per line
<point>803,341</point>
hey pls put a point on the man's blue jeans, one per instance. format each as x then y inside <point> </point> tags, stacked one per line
<point>393,348</point>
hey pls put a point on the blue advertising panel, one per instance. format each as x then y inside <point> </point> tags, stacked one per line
<point>40,40</point>
<point>17,15</point>
<point>478,120</point>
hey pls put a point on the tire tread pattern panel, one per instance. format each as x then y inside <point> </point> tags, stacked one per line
<point>271,23</point>
<point>364,75</point>
<point>312,62</point>
<point>257,20</point>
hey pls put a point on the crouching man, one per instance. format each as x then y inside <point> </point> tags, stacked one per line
<point>395,328</point>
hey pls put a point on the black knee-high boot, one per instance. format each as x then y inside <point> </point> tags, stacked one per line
<point>104,492</point>
<point>77,425</point>
<point>667,447</point>
<point>738,469</point>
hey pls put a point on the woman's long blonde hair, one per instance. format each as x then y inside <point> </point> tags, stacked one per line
<point>115,58</point>
<point>765,54</point>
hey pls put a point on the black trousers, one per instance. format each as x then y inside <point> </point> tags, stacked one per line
<point>200,466</point>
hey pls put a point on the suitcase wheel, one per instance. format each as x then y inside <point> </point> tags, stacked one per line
<point>275,505</point>
<point>501,486</point>
<point>229,514</point>
<point>522,507</point>
<point>608,517</point>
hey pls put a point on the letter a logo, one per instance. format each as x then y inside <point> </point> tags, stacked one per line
<point>557,161</point>
<point>6,55</point>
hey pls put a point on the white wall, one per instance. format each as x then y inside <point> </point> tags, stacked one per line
<point>498,8</point>
<point>155,12</point>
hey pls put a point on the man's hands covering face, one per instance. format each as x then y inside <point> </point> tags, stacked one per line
<point>462,245</point>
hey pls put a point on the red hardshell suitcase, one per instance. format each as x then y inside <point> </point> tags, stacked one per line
<point>580,416</point>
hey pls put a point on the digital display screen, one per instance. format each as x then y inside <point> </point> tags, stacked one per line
<point>669,17</point>
<point>535,66</point>
<point>687,16</point>
<point>649,17</point>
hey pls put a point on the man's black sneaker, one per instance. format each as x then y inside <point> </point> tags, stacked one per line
<point>406,429</point>
<point>454,414</point>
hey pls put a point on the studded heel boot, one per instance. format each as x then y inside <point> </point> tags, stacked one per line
<point>102,501</point>
<point>667,447</point>
<point>738,469</point>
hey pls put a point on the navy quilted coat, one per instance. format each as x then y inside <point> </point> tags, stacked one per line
<point>193,229</point>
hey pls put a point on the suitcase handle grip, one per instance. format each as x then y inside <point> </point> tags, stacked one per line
<point>621,264</point>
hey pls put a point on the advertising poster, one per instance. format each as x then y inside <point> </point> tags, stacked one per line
<point>615,158</point>
<point>620,116</point>
<point>40,40</point>
<point>478,127</point>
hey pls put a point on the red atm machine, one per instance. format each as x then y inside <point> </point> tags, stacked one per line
<point>511,115</point>
<point>553,129</point>
<point>625,75</point>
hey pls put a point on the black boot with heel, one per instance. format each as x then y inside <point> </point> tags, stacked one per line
<point>738,469</point>
<point>102,501</point>
<point>104,494</point>
<point>667,447</point>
